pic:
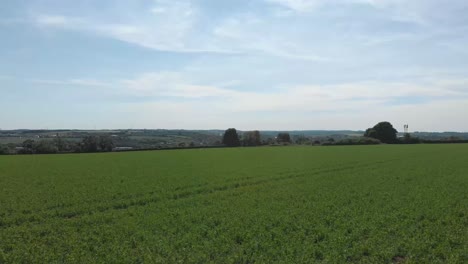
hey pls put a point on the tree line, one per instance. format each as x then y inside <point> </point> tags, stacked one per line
<point>252,138</point>
<point>91,143</point>
<point>383,132</point>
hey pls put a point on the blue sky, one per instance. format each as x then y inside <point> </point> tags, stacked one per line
<point>260,64</point>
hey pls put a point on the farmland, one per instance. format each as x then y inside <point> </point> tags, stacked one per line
<point>359,204</point>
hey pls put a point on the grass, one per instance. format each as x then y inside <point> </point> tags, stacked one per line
<point>359,204</point>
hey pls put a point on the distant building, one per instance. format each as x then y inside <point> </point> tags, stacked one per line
<point>122,148</point>
<point>19,150</point>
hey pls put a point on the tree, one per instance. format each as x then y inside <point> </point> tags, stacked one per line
<point>89,144</point>
<point>371,133</point>
<point>301,139</point>
<point>3,150</point>
<point>106,143</point>
<point>60,143</point>
<point>407,137</point>
<point>230,138</point>
<point>251,138</point>
<point>28,146</point>
<point>45,147</point>
<point>383,131</point>
<point>283,138</point>
<point>268,141</point>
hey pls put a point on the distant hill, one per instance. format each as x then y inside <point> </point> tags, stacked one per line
<point>440,135</point>
<point>127,139</point>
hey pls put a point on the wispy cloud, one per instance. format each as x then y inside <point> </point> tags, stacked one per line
<point>251,34</point>
<point>298,5</point>
<point>308,98</point>
<point>356,115</point>
<point>55,21</point>
<point>328,60</point>
<point>165,27</point>
<point>72,82</point>
<point>186,99</point>
<point>183,27</point>
<point>423,12</point>
<point>171,84</point>
<point>178,85</point>
<point>176,27</point>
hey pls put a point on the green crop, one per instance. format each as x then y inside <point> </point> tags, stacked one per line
<point>358,204</point>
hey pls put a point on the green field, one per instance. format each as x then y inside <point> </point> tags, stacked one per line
<point>359,204</point>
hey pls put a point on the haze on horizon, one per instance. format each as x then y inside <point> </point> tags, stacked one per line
<point>205,64</point>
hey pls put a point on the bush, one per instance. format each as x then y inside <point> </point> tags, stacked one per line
<point>45,147</point>
<point>408,139</point>
<point>28,147</point>
<point>353,141</point>
<point>4,150</point>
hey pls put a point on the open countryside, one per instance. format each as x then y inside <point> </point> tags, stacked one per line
<point>291,204</point>
<point>234,131</point>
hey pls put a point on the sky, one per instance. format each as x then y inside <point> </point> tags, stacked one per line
<point>211,64</point>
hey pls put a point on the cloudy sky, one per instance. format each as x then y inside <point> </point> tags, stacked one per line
<point>258,64</point>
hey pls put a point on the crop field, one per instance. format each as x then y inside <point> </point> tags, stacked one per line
<point>358,204</point>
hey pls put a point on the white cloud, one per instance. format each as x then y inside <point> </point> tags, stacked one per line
<point>299,5</point>
<point>249,34</point>
<point>437,115</point>
<point>72,82</point>
<point>179,27</point>
<point>159,31</point>
<point>305,98</point>
<point>422,12</point>
<point>48,20</point>
<point>299,57</point>
<point>193,104</point>
<point>170,84</point>
<point>169,26</point>
<point>429,116</point>
<point>60,22</point>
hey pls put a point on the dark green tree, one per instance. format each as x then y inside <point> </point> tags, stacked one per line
<point>106,143</point>
<point>3,150</point>
<point>60,143</point>
<point>371,133</point>
<point>301,139</point>
<point>383,131</point>
<point>230,138</point>
<point>28,146</point>
<point>251,138</point>
<point>89,144</point>
<point>283,138</point>
<point>45,147</point>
